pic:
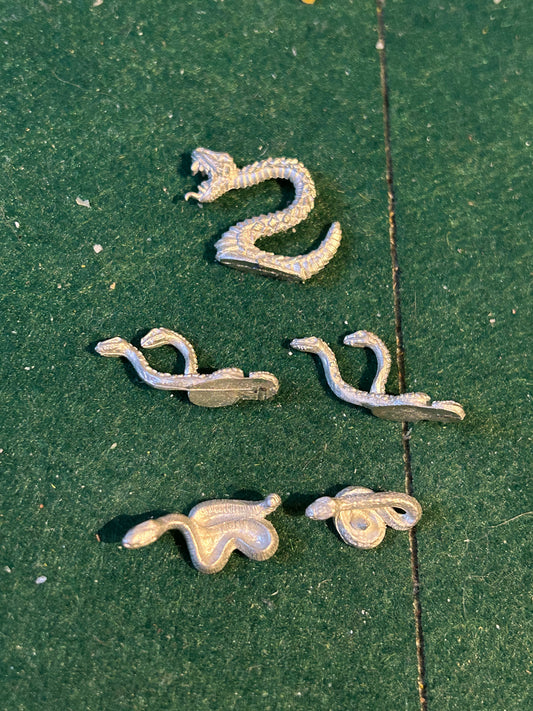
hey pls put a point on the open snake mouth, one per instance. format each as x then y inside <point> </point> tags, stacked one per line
<point>219,169</point>
<point>201,164</point>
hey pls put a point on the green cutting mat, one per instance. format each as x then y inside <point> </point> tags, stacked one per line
<point>105,103</point>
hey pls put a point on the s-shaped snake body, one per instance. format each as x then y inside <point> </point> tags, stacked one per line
<point>223,387</point>
<point>407,407</point>
<point>236,248</point>
<point>214,529</point>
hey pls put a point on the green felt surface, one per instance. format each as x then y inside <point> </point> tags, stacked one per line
<point>106,104</point>
<point>463,156</point>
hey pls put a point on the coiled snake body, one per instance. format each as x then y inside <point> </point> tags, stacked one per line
<point>361,516</point>
<point>236,248</point>
<point>407,407</point>
<point>214,529</point>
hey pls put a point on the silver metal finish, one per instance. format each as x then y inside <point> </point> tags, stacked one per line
<point>236,248</point>
<point>214,529</point>
<point>362,516</point>
<point>408,407</point>
<point>223,387</point>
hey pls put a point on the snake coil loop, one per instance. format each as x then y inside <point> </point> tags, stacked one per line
<point>361,516</point>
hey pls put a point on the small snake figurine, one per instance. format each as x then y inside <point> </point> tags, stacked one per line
<point>236,248</point>
<point>214,529</point>
<point>362,516</point>
<point>408,407</point>
<point>223,387</point>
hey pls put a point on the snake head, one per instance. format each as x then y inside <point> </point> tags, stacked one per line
<point>157,337</point>
<point>143,534</point>
<point>359,339</point>
<point>321,509</point>
<point>220,170</point>
<point>112,348</point>
<point>311,344</point>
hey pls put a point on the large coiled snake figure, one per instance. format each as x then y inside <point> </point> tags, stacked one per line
<point>236,248</point>
<point>407,407</point>
<point>214,529</point>
<point>223,387</point>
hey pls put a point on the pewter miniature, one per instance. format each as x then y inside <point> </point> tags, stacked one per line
<point>223,387</point>
<point>361,516</point>
<point>408,407</point>
<point>214,529</point>
<point>236,248</point>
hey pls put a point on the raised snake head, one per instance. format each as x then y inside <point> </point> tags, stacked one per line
<point>159,337</point>
<point>359,339</point>
<point>220,169</point>
<point>311,344</point>
<point>113,347</point>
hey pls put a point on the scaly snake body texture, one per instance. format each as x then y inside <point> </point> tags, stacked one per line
<point>236,248</point>
<point>214,529</point>
<point>407,407</point>
<point>223,387</point>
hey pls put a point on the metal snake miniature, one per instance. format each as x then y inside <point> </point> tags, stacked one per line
<point>214,529</point>
<point>408,407</point>
<point>236,248</point>
<point>223,387</point>
<point>361,516</point>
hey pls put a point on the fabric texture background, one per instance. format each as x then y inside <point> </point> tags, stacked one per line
<point>105,103</point>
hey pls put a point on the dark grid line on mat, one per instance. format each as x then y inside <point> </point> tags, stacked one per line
<point>400,352</point>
